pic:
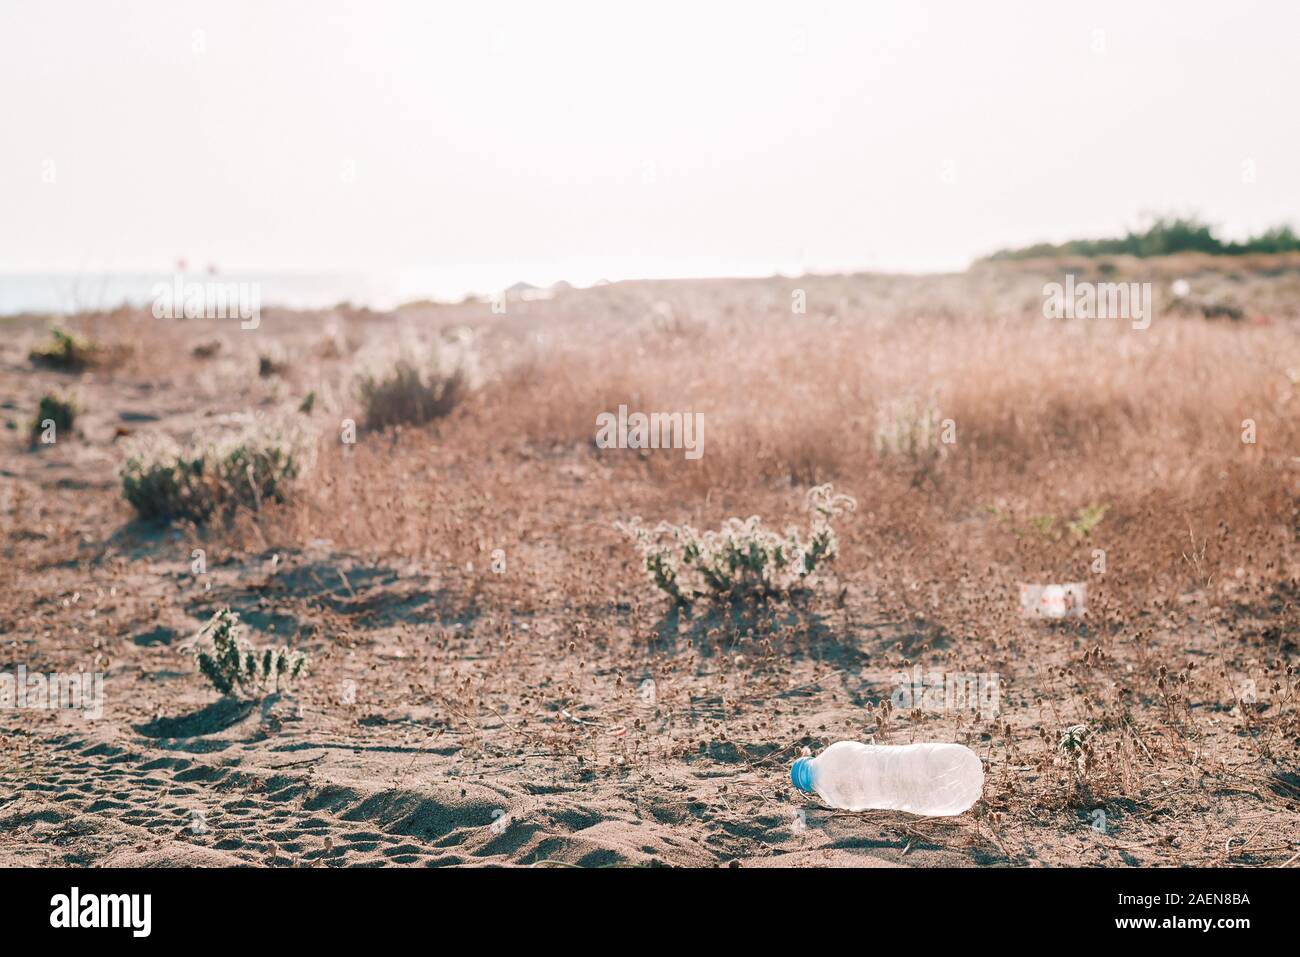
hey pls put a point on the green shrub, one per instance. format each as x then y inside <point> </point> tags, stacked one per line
<point>164,480</point>
<point>258,466</point>
<point>742,558</point>
<point>269,364</point>
<point>1089,517</point>
<point>61,412</point>
<point>234,667</point>
<point>1165,236</point>
<point>66,351</point>
<point>414,391</point>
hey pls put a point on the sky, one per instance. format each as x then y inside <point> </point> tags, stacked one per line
<point>616,140</point>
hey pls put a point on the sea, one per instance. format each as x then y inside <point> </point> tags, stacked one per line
<point>71,292</point>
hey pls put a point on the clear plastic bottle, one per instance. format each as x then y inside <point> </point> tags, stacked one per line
<point>935,780</point>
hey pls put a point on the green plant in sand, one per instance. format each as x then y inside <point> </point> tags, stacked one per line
<point>742,557</point>
<point>235,667</point>
<point>66,351</point>
<point>425,381</point>
<point>165,480</point>
<point>54,417</point>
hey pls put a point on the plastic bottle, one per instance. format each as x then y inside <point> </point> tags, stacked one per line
<point>935,780</point>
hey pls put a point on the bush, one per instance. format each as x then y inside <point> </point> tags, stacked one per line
<point>910,430</point>
<point>414,392</point>
<point>742,558</point>
<point>234,667</point>
<point>66,351</point>
<point>1165,236</point>
<point>61,412</point>
<point>163,480</point>
<point>258,466</point>
<point>271,363</point>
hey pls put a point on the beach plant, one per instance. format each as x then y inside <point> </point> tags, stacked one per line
<point>66,351</point>
<point>236,668</point>
<point>271,363</point>
<point>1081,526</point>
<point>1074,749</point>
<point>1088,518</point>
<point>742,557</point>
<point>1043,524</point>
<point>1072,739</point>
<point>259,464</point>
<point>425,384</point>
<point>164,480</point>
<point>61,412</point>
<point>909,429</point>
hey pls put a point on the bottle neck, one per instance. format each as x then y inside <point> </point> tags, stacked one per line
<point>801,774</point>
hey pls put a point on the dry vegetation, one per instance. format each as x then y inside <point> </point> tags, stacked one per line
<point>486,646</point>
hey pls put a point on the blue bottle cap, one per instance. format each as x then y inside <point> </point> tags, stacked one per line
<point>801,774</point>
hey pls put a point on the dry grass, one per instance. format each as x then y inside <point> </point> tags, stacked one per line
<point>1199,533</point>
